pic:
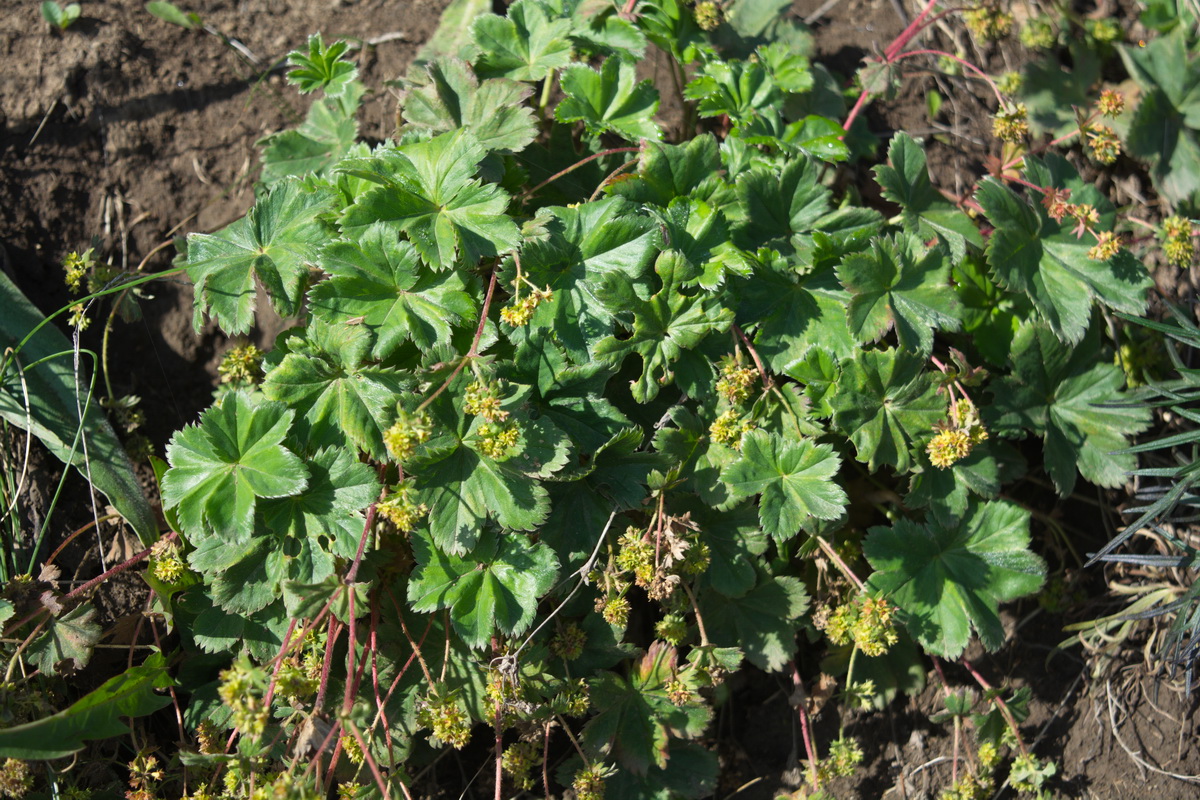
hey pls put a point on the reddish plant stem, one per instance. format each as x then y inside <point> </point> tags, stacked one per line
<point>805,730</point>
<point>842,566</point>
<point>368,524</point>
<point>374,639</point>
<point>331,635</point>
<point>576,166</point>
<point>362,743</point>
<point>94,582</point>
<point>545,761</point>
<point>608,178</point>
<point>278,663</point>
<point>909,33</point>
<point>416,649</point>
<point>758,362</point>
<point>497,721</point>
<point>76,533</point>
<point>1005,711</point>
<point>474,351</point>
<point>943,54</point>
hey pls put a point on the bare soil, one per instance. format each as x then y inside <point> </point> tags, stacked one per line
<point>124,132</point>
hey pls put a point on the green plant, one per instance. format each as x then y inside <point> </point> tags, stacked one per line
<point>572,417</point>
<point>61,17</point>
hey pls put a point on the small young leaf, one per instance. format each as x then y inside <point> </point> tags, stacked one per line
<point>328,133</point>
<point>220,467</point>
<point>950,578</point>
<point>321,68</point>
<point>793,477</point>
<point>495,588</point>
<point>59,16</point>
<point>609,100</point>
<point>740,90</point>
<point>169,12</point>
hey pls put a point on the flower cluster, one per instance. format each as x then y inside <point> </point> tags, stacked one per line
<point>735,382</point>
<point>443,715</point>
<point>678,692</point>
<point>589,782</point>
<point>1111,103</point>
<point>79,319</point>
<point>77,266</point>
<point>520,311</point>
<point>869,622</point>
<point>1104,31</point>
<point>496,440</point>
<point>165,561</point>
<point>1011,123</point>
<point>729,428</point>
<point>16,778</point>
<point>483,400</point>
<point>708,15</point>
<point>144,776</point>
<point>958,436</point>
<point>401,508</point>
<point>408,431</point>
<point>239,691</point>
<point>1010,83</point>
<point>568,642</point>
<point>353,750</point>
<point>573,698</point>
<point>659,563</point>
<point>844,756</point>
<point>241,366</point>
<point>1178,244</point>
<point>614,609</point>
<point>672,629</point>
<point>294,682</point>
<point>988,23</point>
<point>518,761</point>
<point>1038,33</point>
<point>969,787</point>
<point>208,738</point>
<point>1108,244</point>
<point>1102,143</point>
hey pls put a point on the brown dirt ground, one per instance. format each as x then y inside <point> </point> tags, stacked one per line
<point>125,131</point>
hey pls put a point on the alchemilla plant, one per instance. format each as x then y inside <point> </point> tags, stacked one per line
<point>574,418</point>
<point>580,415</point>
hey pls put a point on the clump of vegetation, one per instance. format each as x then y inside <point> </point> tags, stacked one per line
<point>576,408</point>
